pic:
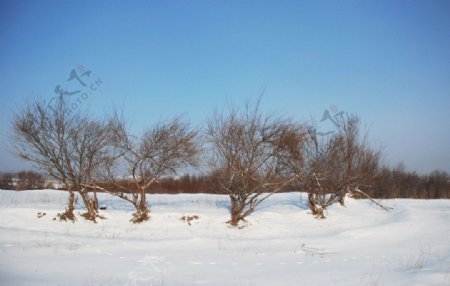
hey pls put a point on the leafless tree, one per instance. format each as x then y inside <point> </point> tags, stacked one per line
<point>247,151</point>
<point>69,146</point>
<point>328,167</point>
<point>162,150</point>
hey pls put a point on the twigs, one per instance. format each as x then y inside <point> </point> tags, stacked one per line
<point>372,200</point>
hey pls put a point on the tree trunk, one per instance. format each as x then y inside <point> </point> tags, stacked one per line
<point>237,207</point>
<point>142,211</point>
<point>341,199</point>
<point>71,204</point>
<point>70,207</point>
<point>95,202</point>
<point>316,210</point>
<point>91,214</point>
<point>68,214</point>
<point>143,202</point>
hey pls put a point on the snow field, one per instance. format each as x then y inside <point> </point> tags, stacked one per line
<point>281,245</point>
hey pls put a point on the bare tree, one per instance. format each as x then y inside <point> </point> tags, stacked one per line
<point>162,150</point>
<point>247,151</point>
<point>328,167</point>
<point>68,146</point>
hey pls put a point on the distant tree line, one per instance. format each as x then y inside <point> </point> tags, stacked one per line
<point>398,183</point>
<point>23,180</point>
<point>388,183</point>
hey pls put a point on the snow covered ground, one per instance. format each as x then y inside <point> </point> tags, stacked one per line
<point>281,245</point>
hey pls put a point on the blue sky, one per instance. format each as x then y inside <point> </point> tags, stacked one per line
<point>387,61</point>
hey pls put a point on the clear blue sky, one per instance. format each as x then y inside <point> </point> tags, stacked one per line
<point>387,61</point>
